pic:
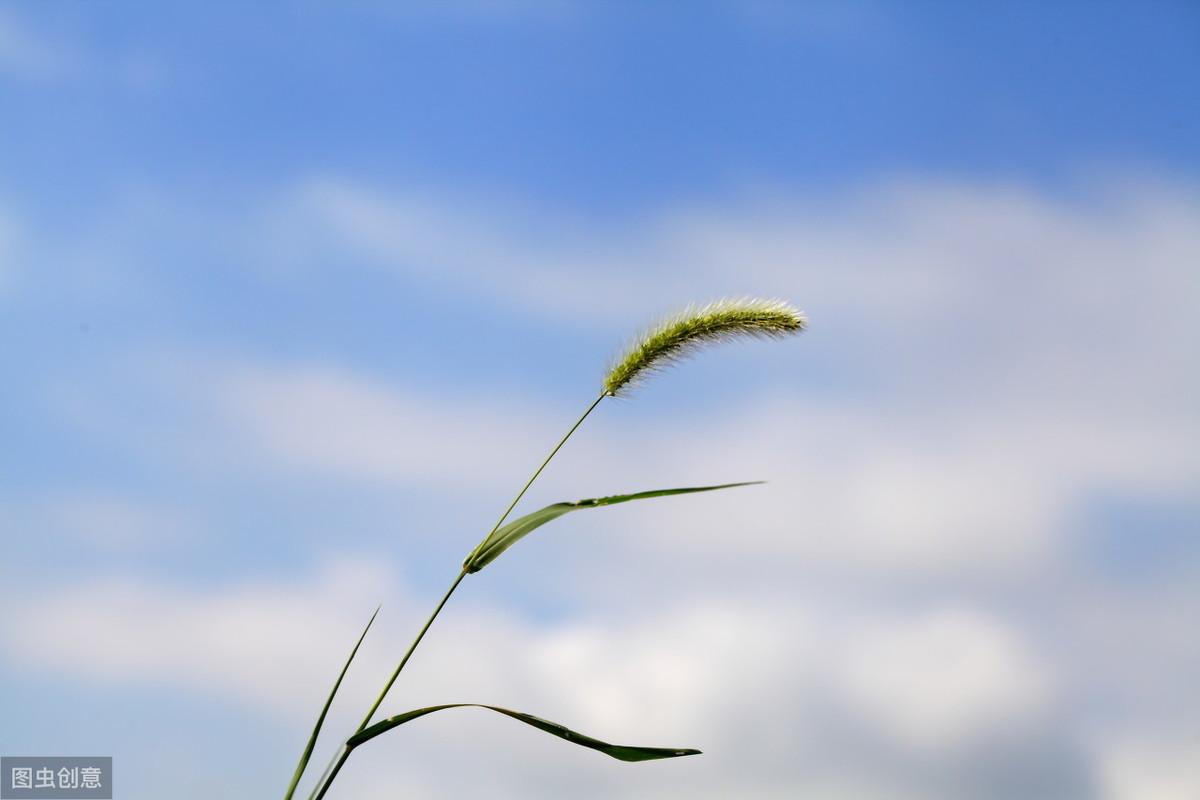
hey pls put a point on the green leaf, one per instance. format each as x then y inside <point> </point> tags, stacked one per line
<point>312,740</point>
<point>619,751</point>
<point>503,538</point>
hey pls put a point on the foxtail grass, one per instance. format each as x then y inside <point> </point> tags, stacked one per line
<point>679,336</point>
<point>661,346</point>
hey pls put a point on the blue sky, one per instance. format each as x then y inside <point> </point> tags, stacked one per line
<point>292,297</point>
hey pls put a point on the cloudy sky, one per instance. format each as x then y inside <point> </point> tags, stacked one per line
<point>294,297</point>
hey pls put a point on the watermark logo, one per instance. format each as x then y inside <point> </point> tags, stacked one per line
<point>35,777</point>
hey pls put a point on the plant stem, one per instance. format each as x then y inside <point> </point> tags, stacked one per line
<point>335,766</point>
<point>553,453</point>
<point>387,687</point>
<point>312,740</point>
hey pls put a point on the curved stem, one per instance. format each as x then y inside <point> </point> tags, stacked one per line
<point>312,740</point>
<point>553,453</point>
<point>387,687</point>
<point>336,765</point>
<point>340,758</point>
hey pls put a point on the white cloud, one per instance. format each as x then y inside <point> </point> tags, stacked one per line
<point>254,642</point>
<point>322,419</point>
<point>1001,333</point>
<point>96,519</point>
<point>907,492</point>
<point>451,242</point>
<point>991,341</point>
<point>992,359</point>
<point>937,681</point>
<point>752,685</point>
<point>1005,264</point>
<point>1144,769</point>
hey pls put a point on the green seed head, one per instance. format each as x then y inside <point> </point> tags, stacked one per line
<point>682,334</point>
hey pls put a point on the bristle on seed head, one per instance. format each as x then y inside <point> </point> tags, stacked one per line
<point>679,336</point>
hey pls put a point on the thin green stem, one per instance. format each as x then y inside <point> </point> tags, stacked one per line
<point>331,772</point>
<point>335,765</point>
<point>312,739</point>
<point>553,453</point>
<point>387,687</point>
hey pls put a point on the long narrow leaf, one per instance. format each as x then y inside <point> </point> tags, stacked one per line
<point>312,740</point>
<point>619,751</point>
<point>503,538</point>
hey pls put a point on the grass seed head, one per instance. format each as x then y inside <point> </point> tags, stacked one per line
<point>679,336</point>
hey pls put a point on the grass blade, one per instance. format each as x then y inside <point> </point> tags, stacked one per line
<point>312,740</point>
<point>503,538</point>
<point>618,751</point>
